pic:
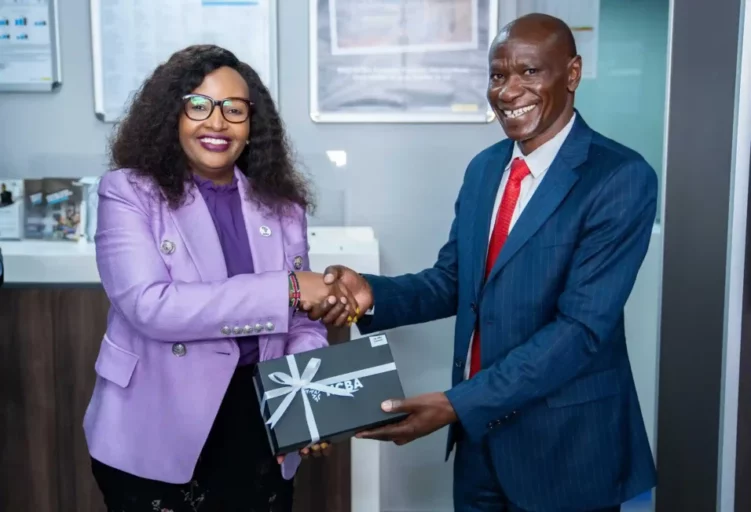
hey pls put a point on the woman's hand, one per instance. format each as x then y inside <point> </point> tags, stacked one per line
<point>322,449</point>
<point>316,294</point>
<point>332,312</point>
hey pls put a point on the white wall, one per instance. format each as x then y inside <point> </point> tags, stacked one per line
<point>643,331</point>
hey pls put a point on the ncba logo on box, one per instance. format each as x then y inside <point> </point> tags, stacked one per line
<point>350,385</point>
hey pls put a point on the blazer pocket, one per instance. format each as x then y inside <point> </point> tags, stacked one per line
<point>115,364</point>
<point>586,389</point>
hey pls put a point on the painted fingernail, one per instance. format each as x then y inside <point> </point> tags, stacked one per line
<point>357,310</point>
<point>386,406</point>
<point>349,319</point>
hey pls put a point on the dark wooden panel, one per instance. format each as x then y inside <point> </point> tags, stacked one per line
<point>28,444</point>
<point>80,319</point>
<point>49,340</point>
<point>324,484</point>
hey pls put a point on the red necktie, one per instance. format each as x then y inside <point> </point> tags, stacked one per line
<point>519,171</point>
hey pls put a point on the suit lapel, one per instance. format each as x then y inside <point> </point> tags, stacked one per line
<point>488,183</point>
<point>193,221</point>
<point>264,231</point>
<point>552,191</point>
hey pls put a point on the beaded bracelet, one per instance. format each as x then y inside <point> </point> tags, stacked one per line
<point>294,291</point>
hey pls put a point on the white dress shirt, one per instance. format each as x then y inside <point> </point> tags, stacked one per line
<point>538,161</point>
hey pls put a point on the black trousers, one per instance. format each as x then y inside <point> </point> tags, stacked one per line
<point>235,472</point>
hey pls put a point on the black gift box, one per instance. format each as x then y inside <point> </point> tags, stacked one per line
<point>363,368</point>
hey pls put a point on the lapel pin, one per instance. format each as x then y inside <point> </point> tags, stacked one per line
<point>265,231</point>
<point>168,247</point>
<point>298,262</point>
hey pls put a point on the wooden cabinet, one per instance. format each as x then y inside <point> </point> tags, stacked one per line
<point>49,340</point>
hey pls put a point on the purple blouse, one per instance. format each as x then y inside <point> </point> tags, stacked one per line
<point>225,205</point>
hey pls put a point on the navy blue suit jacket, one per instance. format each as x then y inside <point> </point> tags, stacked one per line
<point>555,401</point>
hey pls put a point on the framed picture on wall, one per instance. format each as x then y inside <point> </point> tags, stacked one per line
<point>582,16</point>
<point>29,46</point>
<point>407,61</point>
<point>129,40</point>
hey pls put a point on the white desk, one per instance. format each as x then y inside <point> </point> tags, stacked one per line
<point>42,262</point>
<point>50,263</point>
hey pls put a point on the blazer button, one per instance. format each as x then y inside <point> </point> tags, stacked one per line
<point>167,247</point>
<point>247,329</point>
<point>458,363</point>
<point>269,326</point>
<point>237,330</point>
<point>179,349</point>
<point>258,327</point>
<point>226,330</point>
<point>473,307</point>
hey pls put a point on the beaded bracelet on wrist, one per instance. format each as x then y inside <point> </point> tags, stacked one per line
<point>294,291</point>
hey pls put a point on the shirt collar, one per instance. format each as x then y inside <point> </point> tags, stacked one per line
<point>541,158</point>
<point>206,185</point>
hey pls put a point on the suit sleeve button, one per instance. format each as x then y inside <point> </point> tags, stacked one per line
<point>226,330</point>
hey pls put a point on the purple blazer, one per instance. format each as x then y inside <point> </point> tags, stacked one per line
<point>168,354</point>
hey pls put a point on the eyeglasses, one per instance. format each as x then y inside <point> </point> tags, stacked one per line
<point>199,108</point>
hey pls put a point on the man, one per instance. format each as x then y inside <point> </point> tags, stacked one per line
<point>551,228</point>
<point>6,197</point>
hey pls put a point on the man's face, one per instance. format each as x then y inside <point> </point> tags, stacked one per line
<point>531,87</point>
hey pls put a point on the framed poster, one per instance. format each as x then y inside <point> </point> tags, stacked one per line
<point>129,39</point>
<point>400,61</point>
<point>582,17</point>
<point>29,46</point>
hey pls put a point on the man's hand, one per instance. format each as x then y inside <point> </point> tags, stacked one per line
<point>332,312</point>
<point>427,413</point>
<point>315,293</point>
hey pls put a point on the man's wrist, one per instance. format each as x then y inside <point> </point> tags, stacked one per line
<point>371,309</point>
<point>448,410</point>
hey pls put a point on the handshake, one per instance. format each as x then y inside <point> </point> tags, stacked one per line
<point>338,297</point>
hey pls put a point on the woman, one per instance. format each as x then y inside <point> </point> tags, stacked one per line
<point>202,249</point>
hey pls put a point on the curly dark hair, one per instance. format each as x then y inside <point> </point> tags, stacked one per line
<point>147,141</point>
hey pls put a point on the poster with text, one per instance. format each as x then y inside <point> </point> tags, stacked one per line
<point>401,60</point>
<point>582,17</point>
<point>11,209</point>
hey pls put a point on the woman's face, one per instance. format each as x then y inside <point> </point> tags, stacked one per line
<point>212,145</point>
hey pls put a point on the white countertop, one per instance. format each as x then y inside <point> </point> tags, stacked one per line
<point>43,262</point>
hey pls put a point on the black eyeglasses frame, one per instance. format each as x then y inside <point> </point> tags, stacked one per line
<point>215,103</point>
